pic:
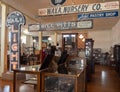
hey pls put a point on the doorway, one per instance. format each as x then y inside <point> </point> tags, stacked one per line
<point>69,42</point>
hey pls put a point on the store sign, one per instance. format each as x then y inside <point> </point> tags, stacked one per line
<point>33,27</point>
<point>114,5</point>
<point>14,22</point>
<point>98,15</point>
<point>57,2</point>
<point>86,24</point>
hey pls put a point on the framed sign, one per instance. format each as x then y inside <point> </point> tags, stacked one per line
<point>33,27</point>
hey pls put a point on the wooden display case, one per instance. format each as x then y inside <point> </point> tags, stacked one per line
<point>72,81</point>
<point>34,80</point>
<point>66,79</point>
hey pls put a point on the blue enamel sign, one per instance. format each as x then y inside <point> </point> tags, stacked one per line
<point>98,15</point>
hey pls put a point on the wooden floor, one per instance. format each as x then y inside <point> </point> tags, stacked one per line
<point>105,79</point>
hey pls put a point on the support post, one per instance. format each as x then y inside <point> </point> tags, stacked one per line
<point>55,38</point>
<point>3,58</point>
<point>40,45</point>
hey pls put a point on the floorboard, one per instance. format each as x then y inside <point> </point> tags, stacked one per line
<point>105,79</point>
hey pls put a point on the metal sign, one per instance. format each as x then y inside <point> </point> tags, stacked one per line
<point>114,5</point>
<point>33,27</point>
<point>58,2</point>
<point>98,15</point>
<point>86,24</point>
<point>14,22</point>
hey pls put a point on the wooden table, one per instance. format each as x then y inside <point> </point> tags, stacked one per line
<point>26,72</point>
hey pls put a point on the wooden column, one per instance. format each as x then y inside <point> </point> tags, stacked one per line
<point>4,37</point>
<point>40,45</point>
<point>55,39</point>
<point>40,40</point>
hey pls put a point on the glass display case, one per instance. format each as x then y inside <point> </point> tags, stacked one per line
<point>77,63</point>
<point>72,81</point>
<point>19,84</point>
<point>59,84</point>
<point>68,77</point>
<point>117,57</point>
<point>32,76</point>
<point>89,48</point>
<point>97,54</point>
<point>89,57</point>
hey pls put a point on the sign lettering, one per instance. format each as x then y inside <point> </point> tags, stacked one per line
<point>86,24</point>
<point>98,15</point>
<point>114,5</point>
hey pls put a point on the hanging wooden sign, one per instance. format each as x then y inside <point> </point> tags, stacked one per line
<point>71,25</point>
<point>14,22</point>
<point>113,5</point>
